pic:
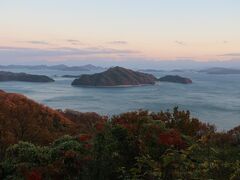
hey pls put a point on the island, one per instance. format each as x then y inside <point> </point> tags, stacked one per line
<point>175,79</point>
<point>71,76</point>
<point>115,76</point>
<point>10,76</point>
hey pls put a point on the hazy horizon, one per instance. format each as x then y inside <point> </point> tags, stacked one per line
<point>141,64</point>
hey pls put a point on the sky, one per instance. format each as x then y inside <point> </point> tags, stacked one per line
<point>55,31</point>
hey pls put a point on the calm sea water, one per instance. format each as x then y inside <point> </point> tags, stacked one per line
<point>211,98</point>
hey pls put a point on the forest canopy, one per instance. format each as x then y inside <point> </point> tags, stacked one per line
<point>37,142</point>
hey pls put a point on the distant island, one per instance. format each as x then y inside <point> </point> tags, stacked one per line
<point>177,70</point>
<point>220,70</point>
<point>61,67</point>
<point>116,76</point>
<point>71,76</point>
<point>10,76</point>
<point>175,79</point>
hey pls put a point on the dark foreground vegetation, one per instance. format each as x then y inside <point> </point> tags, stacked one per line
<point>37,142</point>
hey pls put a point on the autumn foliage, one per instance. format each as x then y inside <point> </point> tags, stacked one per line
<point>37,142</point>
<point>22,119</point>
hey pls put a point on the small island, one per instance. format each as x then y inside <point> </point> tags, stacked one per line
<point>10,76</point>
<point>71,76</point>
<point>115,76</point>
<point>175,79</point>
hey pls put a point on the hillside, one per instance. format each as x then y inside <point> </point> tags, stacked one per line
<point>116,76</point>
<point>10,76</point>
<point>24,119</point>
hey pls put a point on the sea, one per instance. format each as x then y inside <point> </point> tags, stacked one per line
<point>211,98</point>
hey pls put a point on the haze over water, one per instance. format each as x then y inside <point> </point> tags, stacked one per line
<point>211,98</point>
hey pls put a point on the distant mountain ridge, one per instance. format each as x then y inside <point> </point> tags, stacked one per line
<point>151,70</point>
<point>220,70</point>
<point>115,76</point>
<point>62,67</point>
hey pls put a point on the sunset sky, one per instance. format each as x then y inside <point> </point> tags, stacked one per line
<point>120,30</point>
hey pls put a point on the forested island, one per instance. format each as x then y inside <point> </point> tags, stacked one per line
<point>175,79</point>
<point>37,142</point>
<point>71,76</point>
<point>116,76</point>
<point>119,76</point>
<point>10,76</point>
